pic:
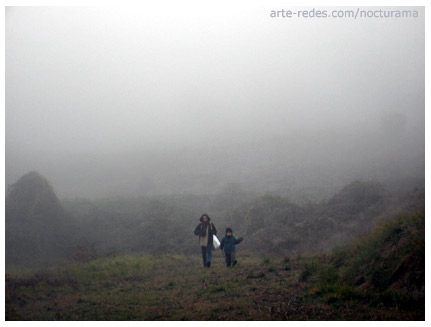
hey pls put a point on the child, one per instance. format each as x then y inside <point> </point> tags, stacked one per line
<point>228,245</point>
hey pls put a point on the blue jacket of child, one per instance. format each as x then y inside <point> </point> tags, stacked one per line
<point>228,244</point>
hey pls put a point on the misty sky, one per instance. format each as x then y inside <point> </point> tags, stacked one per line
<point>106,101</point>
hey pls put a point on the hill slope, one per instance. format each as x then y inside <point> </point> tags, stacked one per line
<point>177,288</point>
<point>37,228</point>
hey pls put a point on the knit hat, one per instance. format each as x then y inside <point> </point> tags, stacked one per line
<point>229,230</point>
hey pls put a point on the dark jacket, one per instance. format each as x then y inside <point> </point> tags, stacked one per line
<point>212,231</point>
<point>228,244</point>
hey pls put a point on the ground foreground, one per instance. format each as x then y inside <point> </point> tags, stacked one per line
<point>178,288</point>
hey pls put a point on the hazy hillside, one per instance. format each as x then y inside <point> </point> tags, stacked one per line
<point>379,277</point>
<point>136,258</point>
<point>40,229</point>
<point>125,124</point>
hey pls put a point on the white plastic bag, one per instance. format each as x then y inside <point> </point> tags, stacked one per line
<point>216,242</point>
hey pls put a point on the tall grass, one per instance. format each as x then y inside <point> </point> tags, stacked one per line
<point>387,267</point>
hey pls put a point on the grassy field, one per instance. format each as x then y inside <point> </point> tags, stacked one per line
<point>378,277</point>
<point>178,288</point>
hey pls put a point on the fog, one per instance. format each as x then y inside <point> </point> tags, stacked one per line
<point>124,101</point>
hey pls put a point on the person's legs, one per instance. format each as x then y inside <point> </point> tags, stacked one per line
<point>228,260</point>
<point>204,255</point>
<point>209,255</point>
<point>232,257</point>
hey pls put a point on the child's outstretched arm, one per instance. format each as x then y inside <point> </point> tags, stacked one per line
<point>239,240</point>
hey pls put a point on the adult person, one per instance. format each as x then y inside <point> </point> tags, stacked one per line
<point>205,230</point>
